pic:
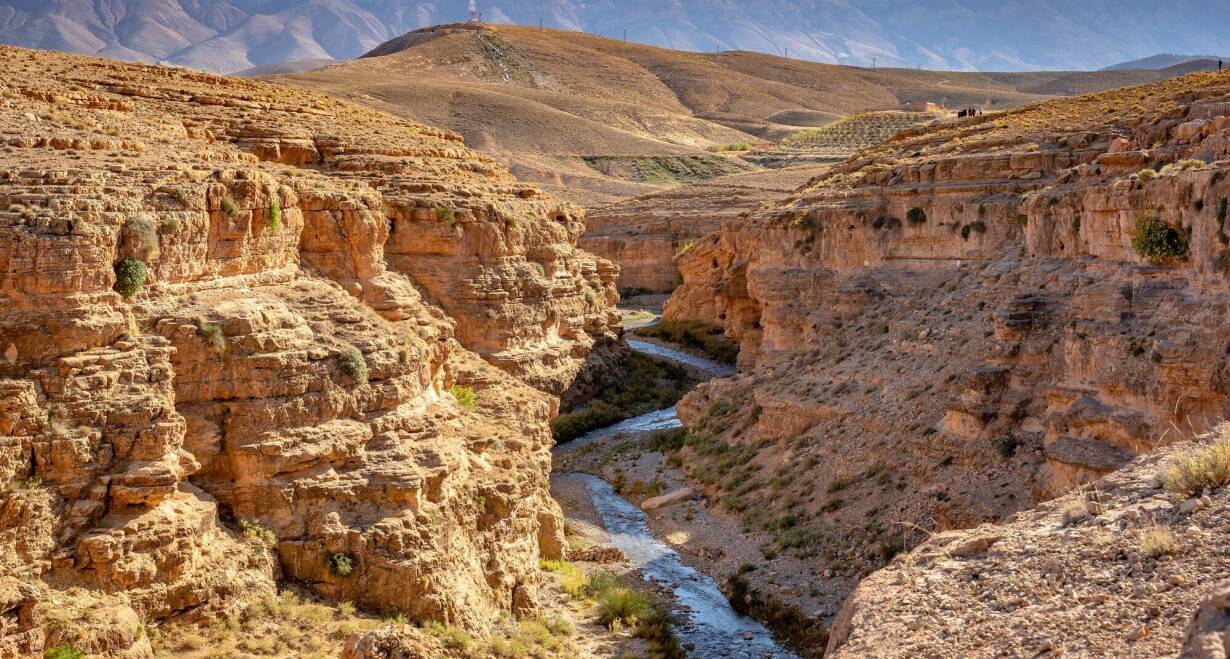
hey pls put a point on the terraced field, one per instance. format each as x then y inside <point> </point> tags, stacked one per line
<point>857,131</point>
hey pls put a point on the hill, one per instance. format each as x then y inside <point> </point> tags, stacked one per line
<point>1163,61</point>
<point>540,99</point>
<point>233,35</point>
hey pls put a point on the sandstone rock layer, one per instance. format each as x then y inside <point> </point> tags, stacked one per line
<point>225,302</point>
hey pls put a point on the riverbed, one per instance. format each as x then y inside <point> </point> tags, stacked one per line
<point>709,626</point>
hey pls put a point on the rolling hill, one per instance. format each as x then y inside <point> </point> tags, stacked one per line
<point>544,101</point>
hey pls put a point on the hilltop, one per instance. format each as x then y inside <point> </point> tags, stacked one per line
<point>549,102</point>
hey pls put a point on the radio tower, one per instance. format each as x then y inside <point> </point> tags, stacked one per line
<point>473,12</point>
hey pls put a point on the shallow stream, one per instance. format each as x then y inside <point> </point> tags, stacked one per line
<point>710,627</point>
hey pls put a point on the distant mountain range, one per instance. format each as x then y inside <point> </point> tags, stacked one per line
<point>986,35</point>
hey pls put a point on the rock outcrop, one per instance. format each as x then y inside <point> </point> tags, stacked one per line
<point>250,332</point>
<point>974,317</point>
<point>645,235</point>
<point>1121,569</point>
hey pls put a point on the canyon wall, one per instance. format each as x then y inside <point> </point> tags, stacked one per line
<point>240,326</point>
<point>646,234</point>
<point>976,316</point>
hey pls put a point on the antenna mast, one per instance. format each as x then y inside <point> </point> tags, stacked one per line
<point>473,11</point>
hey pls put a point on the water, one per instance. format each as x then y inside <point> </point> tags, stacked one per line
<point>710,627</point>
<point>716,369</point>
<point>660,420</point>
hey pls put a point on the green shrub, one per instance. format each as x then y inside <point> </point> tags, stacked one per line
<point>654,626</point>
<point>341,564</point>
<point>787,621</point>
<point>465,397</point>
<point>571,579</point>
<point>451,637</point>
<point>63,651</point>
<point>351,362</point>
<point>275,215</point>
<point>229,206</point>
<point>1146,175</point>
<point>916,215</point>
<point>622,605</point>
<point>1158,242</point>
<point>642,386</point>
<point>130,276</point>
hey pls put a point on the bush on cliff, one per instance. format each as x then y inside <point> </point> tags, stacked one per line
<point>341,564</point>
<point>130,276</point>
<point>143,236</point>
<point>916,215</point>
<point>275,215</point>
<point>1159,242</point>
<point>212,332</point>
<point>63,651</point>
<point>351,362</point>
<point>465,397</point>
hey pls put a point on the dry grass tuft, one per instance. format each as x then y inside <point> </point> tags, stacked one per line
<point>1204,468</point>
<point>1158,541</point>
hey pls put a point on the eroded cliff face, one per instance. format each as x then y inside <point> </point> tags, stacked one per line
<point>645,235</point>
<point>308,288</point>
<point>955,325</point>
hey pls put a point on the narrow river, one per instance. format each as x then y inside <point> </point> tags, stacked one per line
<point>710,627</point>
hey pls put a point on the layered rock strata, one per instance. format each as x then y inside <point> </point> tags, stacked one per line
<point>228,303</point>
<point>973,317</point>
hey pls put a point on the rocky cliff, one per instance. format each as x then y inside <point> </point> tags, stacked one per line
<point>969,319</point>
<point>645,235</point>
<point>249,333</point>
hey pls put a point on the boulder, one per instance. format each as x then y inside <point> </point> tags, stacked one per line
<point>668,499</point>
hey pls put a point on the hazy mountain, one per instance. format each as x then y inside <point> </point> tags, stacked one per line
<point>1165,61</point>
<point>231,35</point>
